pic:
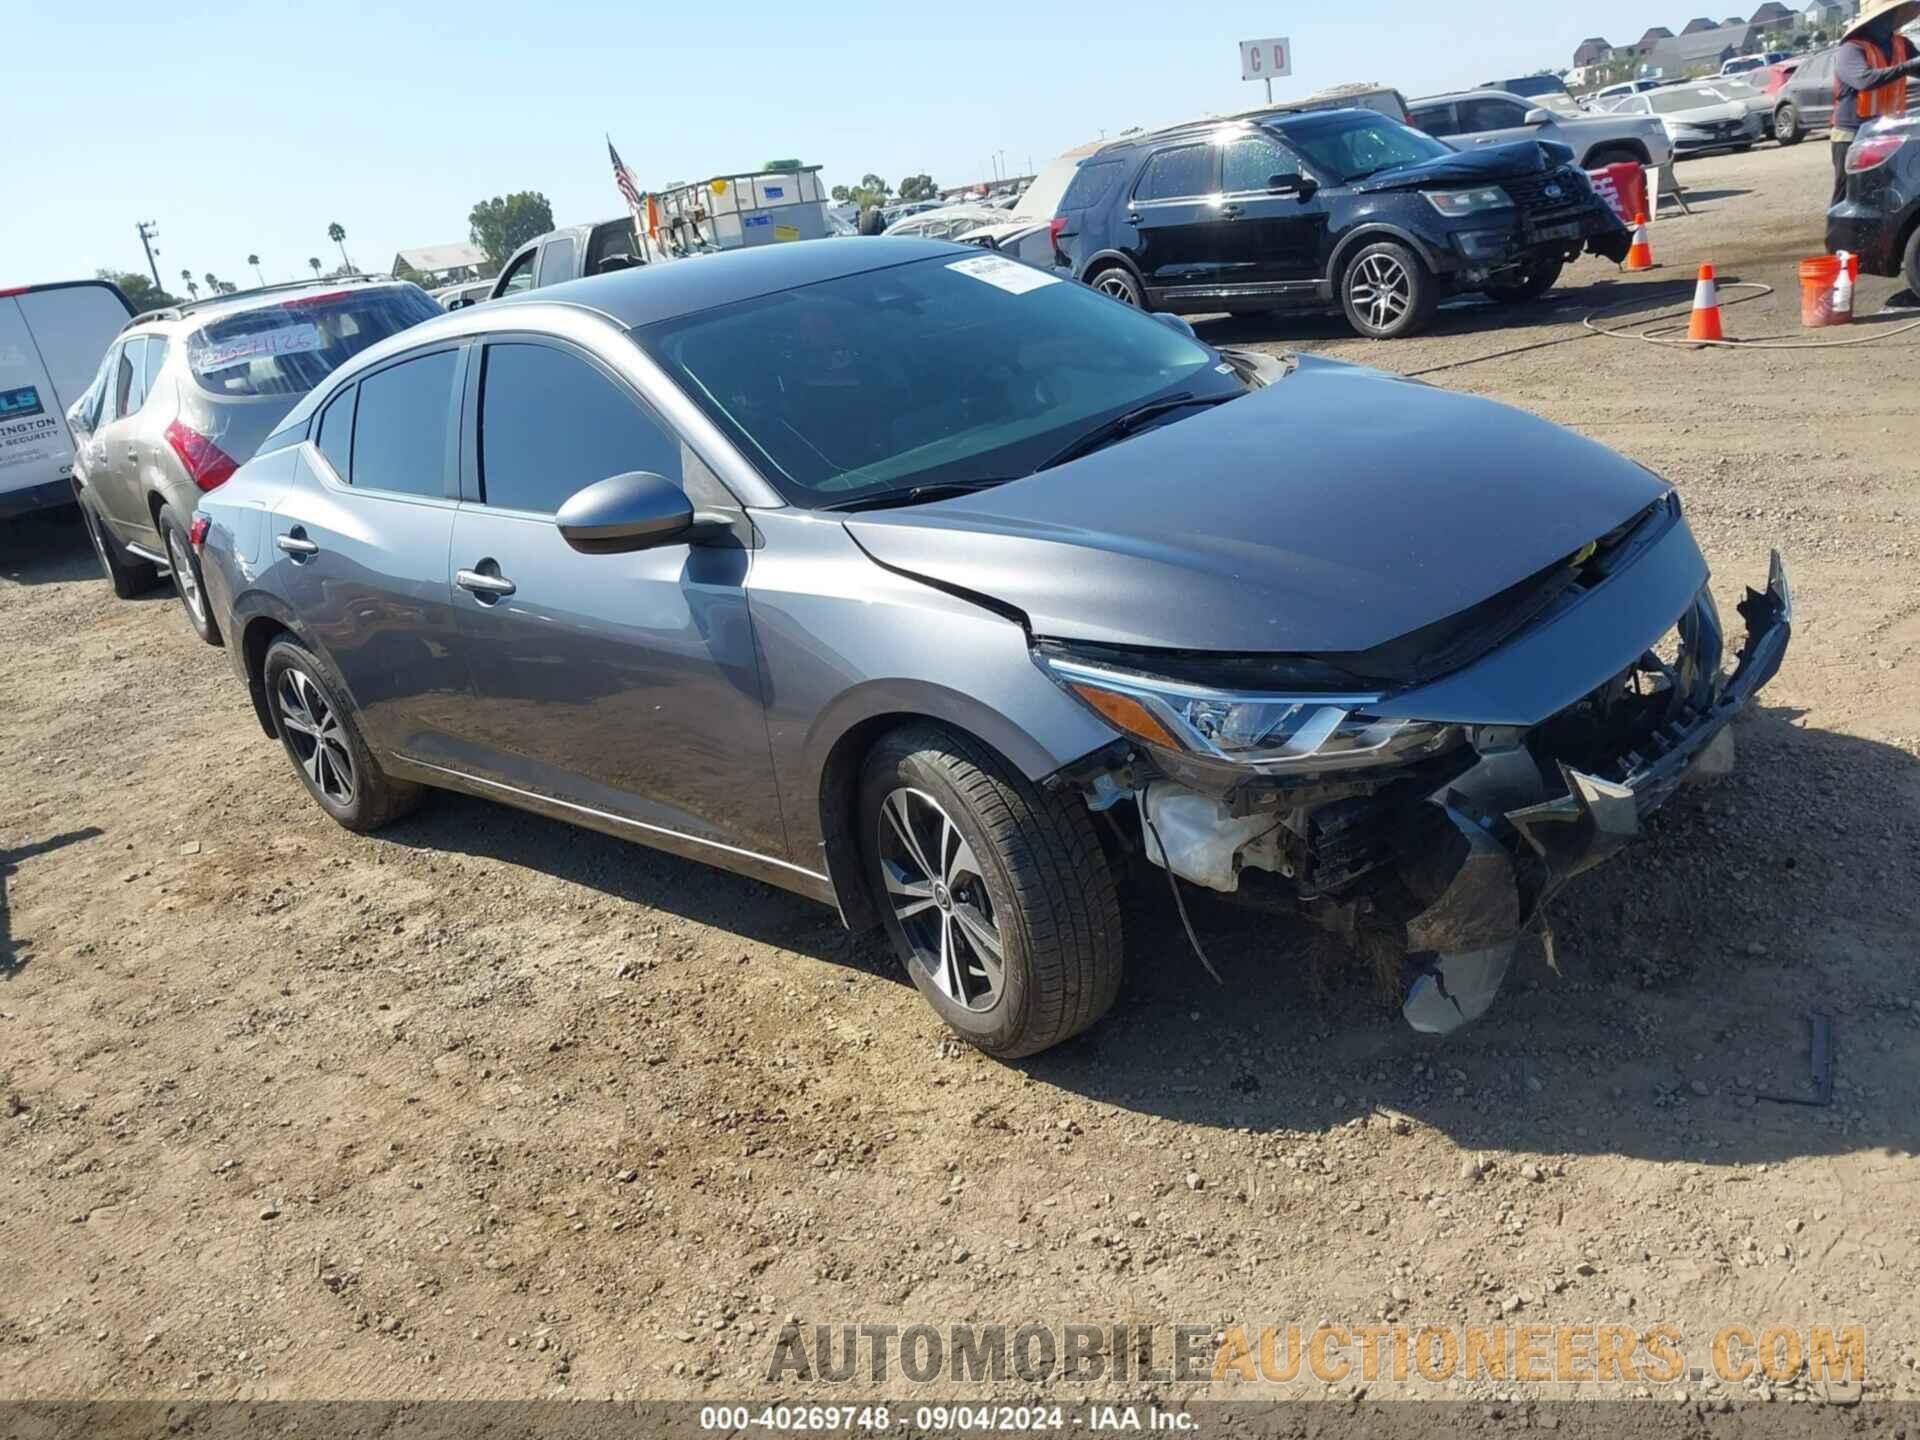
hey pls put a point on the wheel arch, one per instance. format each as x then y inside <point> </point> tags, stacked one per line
<point>1107,260</point>
<point>1373,233</point>
<point>1634,148</point>
<point>258,620</point>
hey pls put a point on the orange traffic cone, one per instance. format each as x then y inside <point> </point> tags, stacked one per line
<point>1640,257</point>
<point>1706,309</point>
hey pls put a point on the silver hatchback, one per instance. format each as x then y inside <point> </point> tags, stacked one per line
<point>185,395</point>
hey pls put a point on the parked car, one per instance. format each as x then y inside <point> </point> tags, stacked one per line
<point>854,567</point>
<point>1028,241</point>
<point>946,222</point>
<point>1773,79</point>
<point>1746,64</point>
<point>1343,208</point>
<point>51,341</point>
<point>1699,118</point>
<point>458,297</point>
<point>1492,117</point>
<point>569,253</point>
<point>186,394</point>
<point>1382,99</point>
<point>1604,99</point>
<point>1740,89</point>
<point>1804,105</point>
<point>1880,219</point>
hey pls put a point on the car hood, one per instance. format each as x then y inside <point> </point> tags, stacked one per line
<point>1333,511</point>
<point>1477,166</point>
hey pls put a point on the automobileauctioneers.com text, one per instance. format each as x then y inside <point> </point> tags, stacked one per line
<point>1330,1354</point>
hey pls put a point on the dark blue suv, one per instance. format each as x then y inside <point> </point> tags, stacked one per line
<point>1341,208</point>
<point>1880,219</point>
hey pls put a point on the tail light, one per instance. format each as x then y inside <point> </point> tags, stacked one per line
<point>1870,152</point>
<point>209,465</point>
<point>197,531</point>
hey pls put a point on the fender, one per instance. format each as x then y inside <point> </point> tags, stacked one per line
<point>1105,259</point>
<point>246,648</point>
<point>1372,232</point>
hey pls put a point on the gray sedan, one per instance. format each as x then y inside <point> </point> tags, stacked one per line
<point>928,585</point>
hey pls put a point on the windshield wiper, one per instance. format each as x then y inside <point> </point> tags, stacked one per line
<point>917,494</point>
<point>1122,426</point>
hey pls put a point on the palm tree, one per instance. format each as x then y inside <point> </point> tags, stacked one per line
<point>314,261</point>
<point>193,287</point>
<point>337,233</point>
<point>254,261</point>
<point>213,283</point>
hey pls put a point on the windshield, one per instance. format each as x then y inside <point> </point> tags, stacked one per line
<point>1672,102</point>
<point>1731,89</point>
<point>1350,145</point>
<point>288,348</point>
<point>942,371</point>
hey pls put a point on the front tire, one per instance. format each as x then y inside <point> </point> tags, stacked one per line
<point>1786,125</point>
<point>323,741</point>
<point>1116,282</point>
<point>995,893</point>
<point>1388,293</point>
<point>187,583</point>
<point>126,573</point>
<point>1531,281</point>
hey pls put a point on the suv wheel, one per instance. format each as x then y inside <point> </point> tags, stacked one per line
<point>1528,282</point>
<point>1912,266</point>
<point>186,576</point>
<point>996,894</point>
<point>1786,125</point>
<point>1387,292</point>
<point>1117,282</point>
<point>325,745</point>
<point>127,573</point>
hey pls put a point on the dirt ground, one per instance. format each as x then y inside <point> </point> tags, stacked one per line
<point>487,1106</point>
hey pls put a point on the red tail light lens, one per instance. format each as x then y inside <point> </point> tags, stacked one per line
<point>1870,152</point>
<point>209,465</point>
<point>197,530</point>
<point>1058,224</point>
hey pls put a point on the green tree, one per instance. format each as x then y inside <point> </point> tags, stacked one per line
<point>254,261</point>
<point>337,233</point>
<point>139,289</point>
<point>503,224</point>
<point>841,193</point>
<point>919,187</point>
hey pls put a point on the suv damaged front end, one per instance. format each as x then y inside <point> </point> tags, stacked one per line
<point>1425,801</point>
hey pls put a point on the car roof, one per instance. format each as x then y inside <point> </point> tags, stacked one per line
<point>1189,129</point>
<point>1482,94</point>
<point>668,290</point>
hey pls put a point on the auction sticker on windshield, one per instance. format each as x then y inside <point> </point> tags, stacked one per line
<point>1004,274</point>
<point>259,345</point>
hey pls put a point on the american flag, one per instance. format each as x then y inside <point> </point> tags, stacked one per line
<point>623,179</point>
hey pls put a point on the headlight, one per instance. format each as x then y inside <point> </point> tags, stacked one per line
<point>1271,733</point>
<point>1456,203</point>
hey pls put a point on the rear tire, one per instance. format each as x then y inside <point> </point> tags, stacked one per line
<point>323,741</point>
<point>1786,125</point>
<point>965,858</point>
<point>187,583</point>
<point>1536,279</point>
<point>1116,282</point>
<point>127,573</point>
<point>1388,293</point>
<point>1911,267</point>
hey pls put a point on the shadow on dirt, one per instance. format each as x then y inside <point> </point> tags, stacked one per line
<point>46,547</point>
<point>1688,969</point>
<point>13,948</point>
<point>1467,315</point>
<point>1696,198</point>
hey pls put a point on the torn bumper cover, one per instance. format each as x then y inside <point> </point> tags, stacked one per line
<point>1523,842</point>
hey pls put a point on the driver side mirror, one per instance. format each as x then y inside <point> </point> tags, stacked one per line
<point>1297,184</point>
<point>636,511</point>
<point>1538,116</point>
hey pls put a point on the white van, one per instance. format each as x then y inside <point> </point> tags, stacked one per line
<point>52,338</point>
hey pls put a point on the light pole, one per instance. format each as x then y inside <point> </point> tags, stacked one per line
<point>149,232</point>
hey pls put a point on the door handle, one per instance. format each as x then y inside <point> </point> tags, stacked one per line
<point>133,455</point>
<point>485,588</point>
<point>1232,212</point>
<point>297,545</point>
<point>1133,219</point>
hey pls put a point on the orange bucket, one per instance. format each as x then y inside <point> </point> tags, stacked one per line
<point>1817,279</point>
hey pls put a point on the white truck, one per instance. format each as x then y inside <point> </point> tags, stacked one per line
<point>52,338</point>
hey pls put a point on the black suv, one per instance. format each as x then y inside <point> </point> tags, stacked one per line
<point>1880,219</point>
<point>1341,207</point>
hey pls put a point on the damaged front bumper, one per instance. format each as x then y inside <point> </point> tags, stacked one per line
<point>1519,839</point>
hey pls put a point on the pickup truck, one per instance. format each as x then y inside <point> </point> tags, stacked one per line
<point>1495,117</point>
<point>569,253</point>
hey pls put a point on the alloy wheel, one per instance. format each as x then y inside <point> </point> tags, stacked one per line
<point>313,730</point>
<point>1114,284</point>
<point>184,579</point>
<point>1382,290</point>
<point>939,896</point>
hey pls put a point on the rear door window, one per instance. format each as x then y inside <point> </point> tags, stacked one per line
<point>334,438</point>
<point>552,424</point>
<point>556,261</point>
<point>1477,116</point>
<point>287,349</point>
<point>1439,121</point>
<point>400,427</point>
<point>519,274</point>
<point>1177,174</point>
<point>156,357</point>
<point>129,378</point>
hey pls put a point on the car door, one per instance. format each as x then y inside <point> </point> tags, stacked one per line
<point>557,259</point>
<point>1175,218</point>
<point>622,685</point>
<point>360,548</point>
<point>96,408</point>
<point>1273,235</point>
<point>114,464</point>
<point>1811,90</point>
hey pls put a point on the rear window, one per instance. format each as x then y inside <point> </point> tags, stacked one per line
<point>1092,184</point>
<point>287,349</point>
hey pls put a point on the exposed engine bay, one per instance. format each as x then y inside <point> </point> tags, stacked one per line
<point>1435,846</point>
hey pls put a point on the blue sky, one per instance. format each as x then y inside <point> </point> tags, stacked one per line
<point>249,127</point>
